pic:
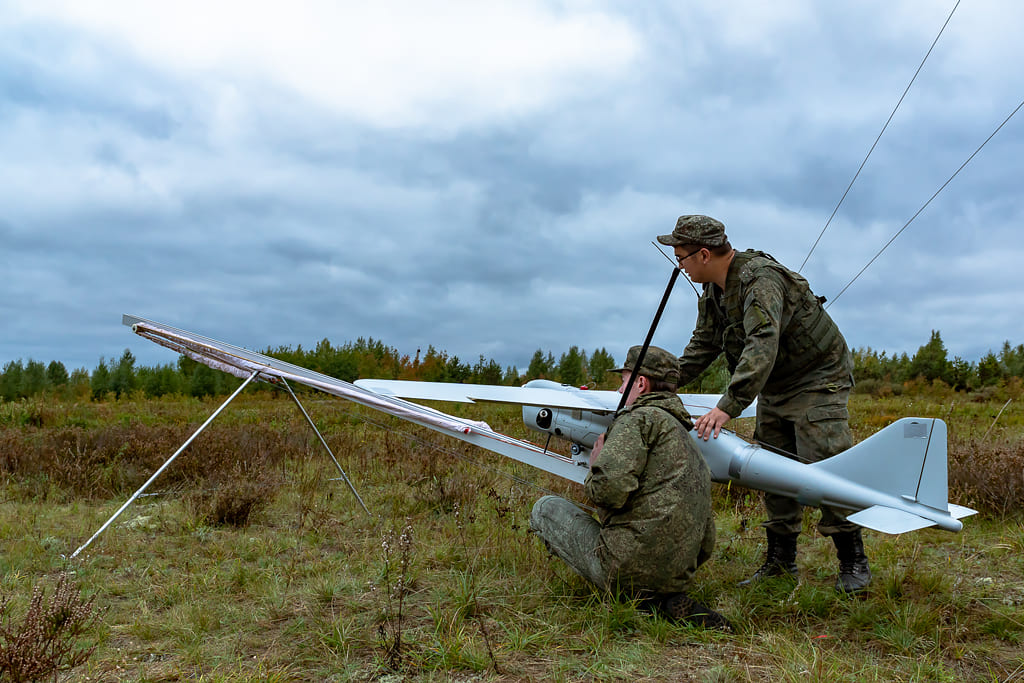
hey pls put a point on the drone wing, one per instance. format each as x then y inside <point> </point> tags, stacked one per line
<point>547,394</point>
<point>539,392</point>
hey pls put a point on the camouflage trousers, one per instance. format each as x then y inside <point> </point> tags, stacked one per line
<point>812,426</point>
<point>572,535</point>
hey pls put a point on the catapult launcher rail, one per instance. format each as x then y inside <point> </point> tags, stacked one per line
<point>252,366</point>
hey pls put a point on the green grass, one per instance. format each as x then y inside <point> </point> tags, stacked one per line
<point>307,591</point>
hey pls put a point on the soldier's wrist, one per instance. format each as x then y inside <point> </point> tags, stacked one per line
<point>730,406</point>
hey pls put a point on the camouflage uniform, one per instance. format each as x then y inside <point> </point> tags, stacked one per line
<point>782,348</point>
<point>652,489</point>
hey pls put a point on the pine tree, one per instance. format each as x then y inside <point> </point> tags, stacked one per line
<point>601,362</point>
<point>203,381</point>
<point>33,382</point>
<point>122,375</point>
<point>961,374</point>
<point>539,367</point>
<point>486,372</point>
<point>570,367</point>
<point>99,382</point>
<point>10,381</point>
<point>456,371</point>
<point>1012,360</point>
<point>989,370</point>
<point>56,374</point>
<point>511,377</point>
<point>930,361</point>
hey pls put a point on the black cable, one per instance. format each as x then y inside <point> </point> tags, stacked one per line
<point>900,231</point>
<point>855,175</point>
<point>676,265</point>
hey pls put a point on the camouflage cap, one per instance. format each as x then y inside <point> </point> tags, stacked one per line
<point>701,231</point>
<point>658,364</point>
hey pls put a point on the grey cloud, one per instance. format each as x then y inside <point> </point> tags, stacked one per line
<point>287,223</point>
<point>42,71</point>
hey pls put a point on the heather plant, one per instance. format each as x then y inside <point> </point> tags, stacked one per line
<point>45,641</point>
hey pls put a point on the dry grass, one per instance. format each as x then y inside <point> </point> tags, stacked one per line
<point>299,585</point>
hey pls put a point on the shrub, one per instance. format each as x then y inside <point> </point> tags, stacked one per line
<point>238,496</point>
<point>44,643</point>
<point>988,475</point>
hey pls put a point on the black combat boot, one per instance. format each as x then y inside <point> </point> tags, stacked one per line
<point>779,558</point>
<point>681,608</point>
<point>854,573</point>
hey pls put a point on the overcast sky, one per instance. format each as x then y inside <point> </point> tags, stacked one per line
<point>487,177</point>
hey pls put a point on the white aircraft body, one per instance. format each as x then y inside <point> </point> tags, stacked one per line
<point>894,481</point>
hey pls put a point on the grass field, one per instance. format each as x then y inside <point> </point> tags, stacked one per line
<point>256,564</point>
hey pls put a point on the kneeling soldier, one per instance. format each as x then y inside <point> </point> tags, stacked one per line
<point>652,490</point>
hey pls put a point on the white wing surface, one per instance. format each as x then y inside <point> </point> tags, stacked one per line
<point>539,392</point>
<point>567,397</point>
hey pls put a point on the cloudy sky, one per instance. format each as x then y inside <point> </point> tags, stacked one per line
<point>487,177</point>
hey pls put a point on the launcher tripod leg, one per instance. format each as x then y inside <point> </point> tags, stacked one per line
<point>326,447</point>
<point>164,466</point>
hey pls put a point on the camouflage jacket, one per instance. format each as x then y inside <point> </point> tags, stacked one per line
<point>777,338</point>
<point>653,493</point>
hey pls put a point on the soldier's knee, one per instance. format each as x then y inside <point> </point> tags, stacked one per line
<point>542,511</point>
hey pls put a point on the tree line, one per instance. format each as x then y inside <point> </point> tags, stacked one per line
<point>880,373</point>
<point>114,378</point>
<point>874,372</point>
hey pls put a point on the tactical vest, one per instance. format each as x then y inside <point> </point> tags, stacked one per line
<point>807,332</point>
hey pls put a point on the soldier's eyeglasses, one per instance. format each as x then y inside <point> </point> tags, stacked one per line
<point>680,259</point>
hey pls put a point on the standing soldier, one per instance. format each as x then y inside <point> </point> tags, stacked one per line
<point>652,490</point>
<point>782,348</point>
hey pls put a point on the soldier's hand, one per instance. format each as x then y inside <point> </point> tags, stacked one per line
<point>710,423</point>
<point>598,445</point>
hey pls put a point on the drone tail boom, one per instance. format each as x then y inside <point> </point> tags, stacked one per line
<point>893,481</point>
